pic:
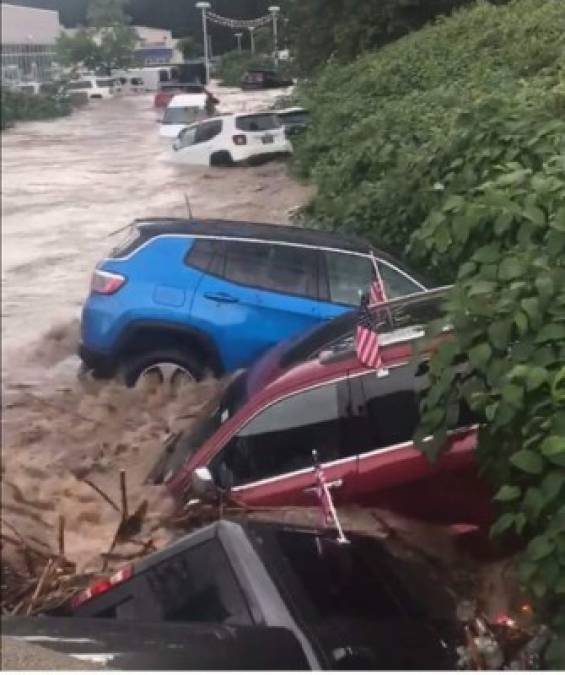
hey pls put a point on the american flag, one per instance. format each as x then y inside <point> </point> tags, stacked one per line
<point>376,292</point>
<point>367,339</point>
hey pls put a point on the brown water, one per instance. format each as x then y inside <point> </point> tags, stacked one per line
<point>66,185</point>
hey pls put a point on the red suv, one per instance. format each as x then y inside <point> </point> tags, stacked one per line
<point>259,443</point>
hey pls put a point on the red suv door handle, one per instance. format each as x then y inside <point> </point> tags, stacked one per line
<point>221,297</point>
<point>334,484</point>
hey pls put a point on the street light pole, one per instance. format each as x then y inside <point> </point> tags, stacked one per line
<point>252,38</point>
<point>274,9</point>
<point>238,38</point>
<point>204,6</point>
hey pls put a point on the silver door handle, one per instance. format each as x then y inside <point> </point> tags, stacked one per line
<point>332,484</point>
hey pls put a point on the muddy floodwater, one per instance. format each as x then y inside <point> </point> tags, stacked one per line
<point>67,184</point>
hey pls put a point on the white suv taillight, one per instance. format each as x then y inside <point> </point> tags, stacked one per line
<point>240,139</point>
<point>106,283</point>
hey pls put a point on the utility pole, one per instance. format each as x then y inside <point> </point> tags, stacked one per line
<point>238,37</point>
<point>275,9</point>
<point>204,6</point>
<point>252,38</point>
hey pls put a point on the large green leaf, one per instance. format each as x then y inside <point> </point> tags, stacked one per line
<point>480,355</point>
<point>510,268</point>
<point>528,461</point>
<point>540,547</point>
<point>507,493</point>
<point>553,445</point>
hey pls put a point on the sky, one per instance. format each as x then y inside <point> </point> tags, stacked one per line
<point>180,16</point>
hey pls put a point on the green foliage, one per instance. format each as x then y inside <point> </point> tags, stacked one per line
<point>111,48</point>
<point>77,49</point>
<point>18,106</point>
<point>340,30</point>
<point>448,147</point>
<point>103,13</point>
<point>109,42</point>
<point>394,132</point>
<point>189,47</point>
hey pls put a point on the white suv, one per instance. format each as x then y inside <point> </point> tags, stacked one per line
<point>93,86</point>
<point>232,139</point>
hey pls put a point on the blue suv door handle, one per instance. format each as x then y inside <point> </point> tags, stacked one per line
<point>221,297</point>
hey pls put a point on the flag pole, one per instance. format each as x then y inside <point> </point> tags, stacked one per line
<point>326,501</point>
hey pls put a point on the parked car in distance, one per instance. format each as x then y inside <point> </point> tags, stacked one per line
<point>95,86</point>
<point>295,120</point>
<point>359,420</point>
<point>232,139</point>
<point>252,595</point>
<point>183,297</point>
<point>167,90</point>
<point>182,110</point>
<point>263,78</point>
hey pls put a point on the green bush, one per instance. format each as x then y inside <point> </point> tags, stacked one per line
<point>18,106</point>
<point>448,148</point>
<point>383,126</point>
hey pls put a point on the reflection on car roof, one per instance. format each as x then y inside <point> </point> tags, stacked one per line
<point>152,227</point>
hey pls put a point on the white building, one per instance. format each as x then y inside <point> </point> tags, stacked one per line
<point>156,45</point>
<point>28,39</point>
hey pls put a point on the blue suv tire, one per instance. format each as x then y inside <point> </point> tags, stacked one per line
<point>136,365</point>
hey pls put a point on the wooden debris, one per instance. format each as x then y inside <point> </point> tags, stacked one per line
<point>61,538</point>
<point>104,496</point>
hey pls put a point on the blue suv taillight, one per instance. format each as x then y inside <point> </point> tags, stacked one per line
<point>106,283</point>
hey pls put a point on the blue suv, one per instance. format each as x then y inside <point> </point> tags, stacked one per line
<point>183,298</point>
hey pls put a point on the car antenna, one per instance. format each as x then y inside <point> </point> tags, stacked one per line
<point>188,208</point>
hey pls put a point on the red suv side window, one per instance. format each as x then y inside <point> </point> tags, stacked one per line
<point>281,438</point>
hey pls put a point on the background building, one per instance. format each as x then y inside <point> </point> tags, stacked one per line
<point>28,39</point>
<point>156,45</point>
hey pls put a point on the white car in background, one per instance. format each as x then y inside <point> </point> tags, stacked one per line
<point>94,86</point>
<point>183,109</point>
<point>232,139</point>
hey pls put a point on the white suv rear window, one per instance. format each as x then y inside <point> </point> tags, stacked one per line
<point>263,122</point>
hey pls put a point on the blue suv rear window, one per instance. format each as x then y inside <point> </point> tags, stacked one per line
<point>201,254</point>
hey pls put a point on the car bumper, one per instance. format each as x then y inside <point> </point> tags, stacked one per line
<point>260,152</point>
<point>100,363</point>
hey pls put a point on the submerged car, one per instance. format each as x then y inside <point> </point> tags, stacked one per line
<point>182,110</point>
<point>180,298</point>
<point>257,444</point>
<point>232,139</point>
<point>295,120</point>
<point>167,90</point>
<point>263,78</point>
<point>94,86</point>
<point>251,595</point>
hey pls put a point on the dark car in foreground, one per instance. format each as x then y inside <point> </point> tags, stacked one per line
<point>251,595</point>
<point>264,78</point>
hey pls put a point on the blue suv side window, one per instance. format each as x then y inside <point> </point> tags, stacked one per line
<point>201,254</point>
<point>272,267</point>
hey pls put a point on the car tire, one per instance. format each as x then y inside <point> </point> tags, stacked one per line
<point>138,365</point>
<point>221,158</point>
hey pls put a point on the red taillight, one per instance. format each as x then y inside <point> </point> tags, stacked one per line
<point>240,139</point>
<point>106,283</point>
<point>103,585</point>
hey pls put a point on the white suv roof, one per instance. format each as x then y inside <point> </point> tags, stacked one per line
<point>187,100</point>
